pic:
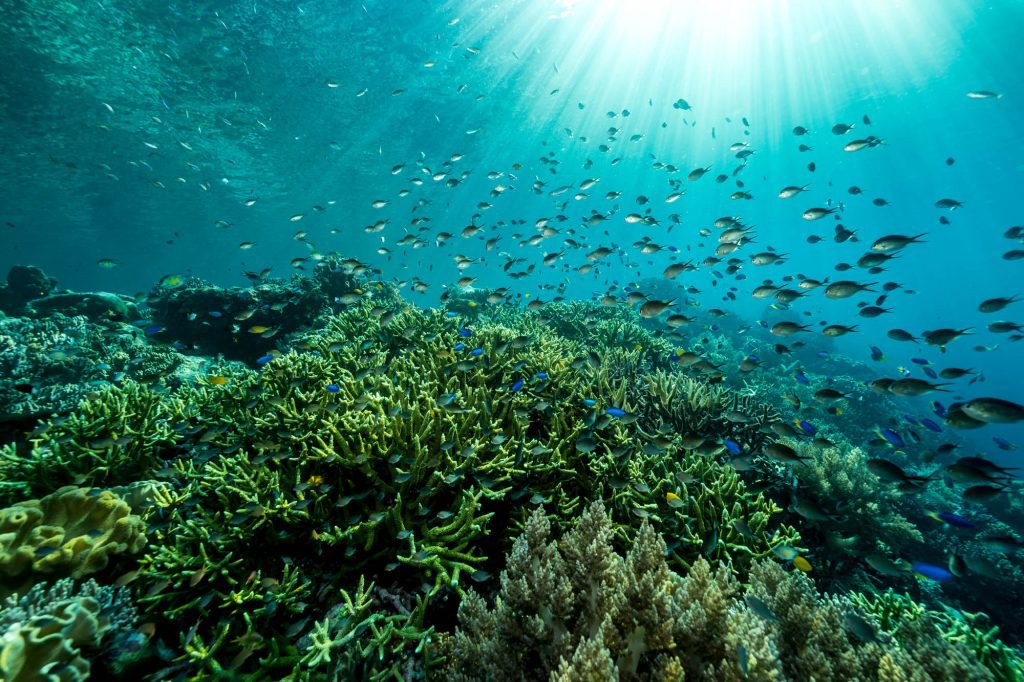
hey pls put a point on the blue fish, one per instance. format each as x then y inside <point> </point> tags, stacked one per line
<point>1004,444</point>
<point>911,419</point>
<point>939,409</point>
<point>931,373</point>
<point>806,427</point>
<point>876,354</point>
<point>465,333</point>
<point>919,361</point>
<point>516,386</point>
<point>802,378</point>
<point>615,412</point>
<point>333,388</point>
<point>215,313</point>
<point>155,329</point>
<point>589,402</point>
<point>451,313</point>
<point>891,437</point>
<point>930,425</point>
<point>732,446</point>
<point>459,347</point>
<point>931,571</point>
<point>952,519</point>
<point>264,359</point>
<point>476,352</point>
<point>541,376</point>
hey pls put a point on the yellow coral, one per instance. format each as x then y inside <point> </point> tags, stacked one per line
<point>47,647</point>
<point>72,531</point>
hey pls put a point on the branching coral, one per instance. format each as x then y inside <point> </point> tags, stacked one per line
<point>116,436</point>
<point>896,612</point>
<point>838,475</point>
<point>577,608</point>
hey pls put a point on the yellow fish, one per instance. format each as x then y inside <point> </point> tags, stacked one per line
<point>217,380</point>
<point>802,564</point>
<point>673,500</point>
<point>257,329</point>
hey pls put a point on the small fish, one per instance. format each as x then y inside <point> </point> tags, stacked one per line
<point>952,519</point>
<point>860,628</point>
<point>817,213</point>
<point>931,571</point>
<point>760,608</point>
<point>806,427</point>
<point>891,437</point>
<point>785,552</point>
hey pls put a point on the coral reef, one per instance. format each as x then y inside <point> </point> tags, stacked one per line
<point>321,509</point>
<point>575,609</point>
<point>73,531</point>
<point>47,630</point>
<point>893,613</point>
<point>116,436</point>
<point>24,283</point>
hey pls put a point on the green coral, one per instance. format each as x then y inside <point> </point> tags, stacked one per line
<point>359,639</point>
<point>116,436</point>
<point>892,612</point>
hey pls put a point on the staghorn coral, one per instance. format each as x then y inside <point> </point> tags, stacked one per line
<point>695,407</point>
<point>380,452</point>
<point>894,613</point>
<point>116,436</point>
<point>417,466</point>
<point>362,639</point>
<point>576,608</point>
<point>73,531</point>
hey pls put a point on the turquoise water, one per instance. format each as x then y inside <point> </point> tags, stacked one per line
<point>144,141</point>
<point>247,87</point>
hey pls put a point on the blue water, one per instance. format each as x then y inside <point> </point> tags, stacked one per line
<point>214,104</point>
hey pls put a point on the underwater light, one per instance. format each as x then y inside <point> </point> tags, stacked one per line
<point>697,13</point>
